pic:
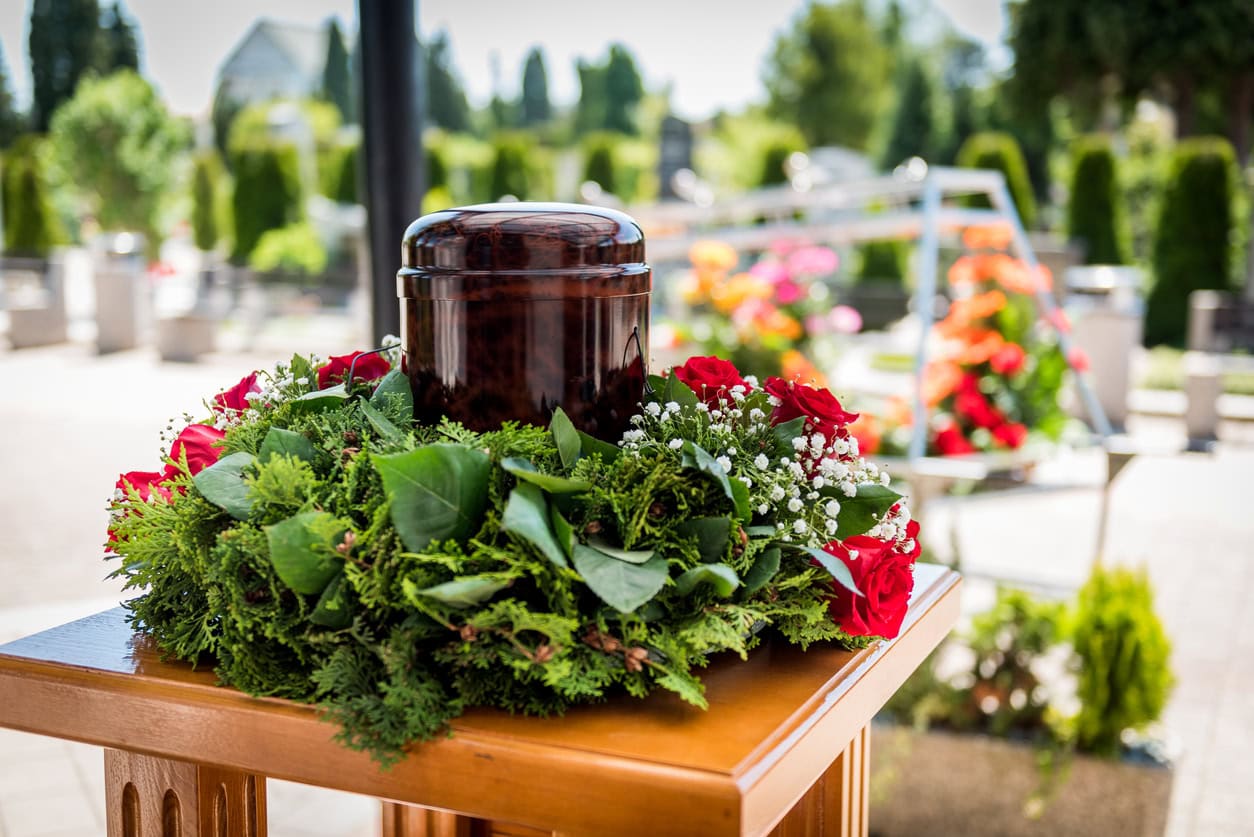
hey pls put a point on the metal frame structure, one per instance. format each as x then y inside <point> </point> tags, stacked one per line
<point>919,207</point>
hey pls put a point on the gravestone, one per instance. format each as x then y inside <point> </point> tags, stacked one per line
<point>675,154</point>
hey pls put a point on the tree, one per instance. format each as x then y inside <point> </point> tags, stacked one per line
<point>267,194</point>
<point>30,226</point>
<point>623,91</point>
<point>829,74</point>
<point>225,108</point>
<point>1000,151</point>
<point>10,119</point>
<point>599,163</point>
<point>446,100</point>
<point>1095,215</point>
<point>534,107</point>
<point>62,46</point>
<point>119,43</point>
<point>510,174</point>
<point>1192,244</point>
<point>913,131</point>
<point>335,79</point>
<point>591,107</point>
<point>114,145</point>
<point>206,175</point>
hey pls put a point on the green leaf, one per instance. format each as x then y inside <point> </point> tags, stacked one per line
<point>720,576</point>
<point>302,549</point>
<point>680,393</point>
<point>695,456</point>
<point>288,443</point>
<point>620,585</point>
<point>565,532</point>
<point>588,445</point>
<point>332,609</point>
<point>320,400</point>
<point>526,515</point>
<point>438,492</point>
<point>712,534</point>
<point>762,571</point>
<point>394,383</point>
<point>462,593</point>
<point>528,472</point>
<point>658,384</point>
<point>381,424</point>
<point>835,567</point>
<point>630,556</point>
<point>862,511</point>
<point>763,531</point>
<point>566,437</point>
<point>302,368</point>
<point>785,432</point>
<point>222,484</point>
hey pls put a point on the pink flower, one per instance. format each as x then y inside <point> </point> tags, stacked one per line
<point>812,261</point>
<point>845,320</point>
<point>1059,320</point>
<point>1078,359</point>
<point>788,292</point>
<point>770,271</point>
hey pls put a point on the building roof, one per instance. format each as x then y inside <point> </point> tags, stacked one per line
<point>303,46</point>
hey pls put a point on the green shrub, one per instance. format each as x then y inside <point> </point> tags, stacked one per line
<point>600,164</point>
<point>206,175</point>
<point>267,194</point>
<point>881,260</point>
<point>510,174</point>
<point>437,168</point>
<point>1192,246</point>
<point>1095,213</point>
<point>294,250</point>
<point>30,225</point>
<point>1123,655</point>
<point>1000,151</point>
<point>339,180</point>
<point>775,154</point>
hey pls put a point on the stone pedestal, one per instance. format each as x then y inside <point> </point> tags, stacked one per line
<point>185,338</point>
<point>38,317</point>
<point>117,306</point>
<point>1203,384</point>
<point>1106,311</point>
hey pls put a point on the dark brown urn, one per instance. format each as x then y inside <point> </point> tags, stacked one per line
<point>510,310</point>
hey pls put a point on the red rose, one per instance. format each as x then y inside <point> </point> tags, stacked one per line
<point>970,402</point>
<point>234,398</point>
<point>146,483</point>
<point>912,532</point>
<point>819,405</point>
<point>950,441</point>
<point>197,443</point>
<point>1011,434</point>
<point>884,577</point>
<point>368,368</point>
<point>711,378</point>
<point>1008,359</point>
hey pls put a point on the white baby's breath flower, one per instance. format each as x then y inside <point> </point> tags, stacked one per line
<point>794,505</point>
<point>831,508</point>
<point>853,555</point>
<point>752,381</point>
<point>653,408</point>
<point>885,479</point>
<point>799,526</point>
<point>818,481</point>
<point>748,482</point>
<point>672,407</point>
<point>799,443</point>
<point>849,489</point>
<point>675,444</point>
<point>756,415</point>
<point>773,400</point>
<point>761,462</point>
<point>725,464</point>
<point>703,407</point>
<point>764,508</point>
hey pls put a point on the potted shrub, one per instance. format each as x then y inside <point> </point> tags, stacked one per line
<point>1042,733</point>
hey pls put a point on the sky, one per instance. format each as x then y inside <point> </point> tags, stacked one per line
<point>710,51</point>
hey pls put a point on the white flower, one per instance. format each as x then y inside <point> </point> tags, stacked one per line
<point>831,508</point>
<point>831,526</point>
<point>675,444</point>
<point>637,419</point>
<point>818,482</point>
<point>853,555</point>
<point>907,545</point>
<point>672,406</point>
<point>794,505</point>
<point>849,489</point>
<point>764,508</point>
<point>799,443</point>
<point>853,445</point>
<point>813,495</point>
<point>731,451</point>
<point>653,408</point>
<point>703,407</point>
<point>752,381</point>
<point>773,401</point>
<point>756,415</point>
<point>817,441</point>
<point>784,461</point>
<point>725,464</point>
<point>777,493</point>
<point>302,380</point>
<point>748,482</point>
<point>738,389</point>
<point>799,526</point>
<point>885,479</point>
<point>840,446</point>
<point>761,462</point>
<point>716,414</point>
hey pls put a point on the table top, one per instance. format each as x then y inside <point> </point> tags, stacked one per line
<point>775,723</point>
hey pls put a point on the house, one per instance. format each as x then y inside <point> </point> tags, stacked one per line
<point>275,60</point>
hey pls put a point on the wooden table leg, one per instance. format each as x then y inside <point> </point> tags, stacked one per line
<point>146,796</point>
<point>414,821</point>
<point>837,804</point>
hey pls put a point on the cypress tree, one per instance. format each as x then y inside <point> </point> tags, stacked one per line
<point>335,78</point>
<point>623,91</point>
<point>535,107</point>
<point>1192,244</point>
<point>119,42</point>
<point>206,175</point>
<point>63,44</point>
<point>1000,151</point>
<point>446,100</point>
<point>1095,216</point>
<point>509,174</point>
<point>599,164</point>
<point>914,123</point>
<point>267,194</point>
<point>30,227</point>
<point>10,119</point>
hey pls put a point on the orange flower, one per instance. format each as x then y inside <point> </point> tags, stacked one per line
<point>868,432</point>
<point>730,295</point>
<point>713,256</point>
<point>775,323</point>
<point>989,237</point>
<point>897,412</point>
<point>981,345</point>
<point>797,367</point>
<point>940,379</point>
<point>963,312</point>
<point>1015,277</point>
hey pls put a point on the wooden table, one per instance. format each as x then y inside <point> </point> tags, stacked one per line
<point>783,746</point>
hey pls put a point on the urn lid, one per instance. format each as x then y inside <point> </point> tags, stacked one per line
<point>520,237</point>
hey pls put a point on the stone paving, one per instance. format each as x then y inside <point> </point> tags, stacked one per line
<point>72,421</point>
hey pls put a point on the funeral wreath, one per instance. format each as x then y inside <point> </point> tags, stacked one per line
<point>307,539</point>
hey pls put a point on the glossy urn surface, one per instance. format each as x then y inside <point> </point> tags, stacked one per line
<point>510,310</point>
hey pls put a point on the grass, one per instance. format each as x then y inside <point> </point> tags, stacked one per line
<point>890,362</point>
<point>1165,370</point>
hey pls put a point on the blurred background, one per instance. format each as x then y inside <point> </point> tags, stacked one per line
<point>187,197</point>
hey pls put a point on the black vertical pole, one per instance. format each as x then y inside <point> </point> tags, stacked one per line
<point>391,143</point>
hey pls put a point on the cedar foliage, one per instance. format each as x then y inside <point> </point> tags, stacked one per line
<point>1095,212</point>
